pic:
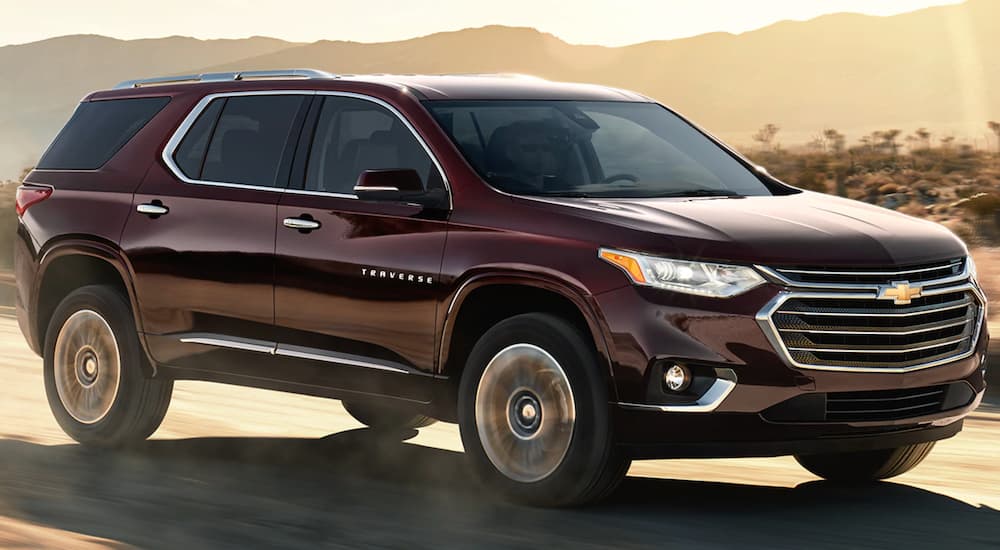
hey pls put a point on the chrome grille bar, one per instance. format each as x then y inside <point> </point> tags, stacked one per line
<point>892,349</point>
<point>953,271</point>
<point>887,332</point>
<point>874,313</point>
<point>886,273</point>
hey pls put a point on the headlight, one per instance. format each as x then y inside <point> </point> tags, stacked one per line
<point>700,278</point>
<point>970,266</point>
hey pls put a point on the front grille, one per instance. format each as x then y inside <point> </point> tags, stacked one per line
<point>849,328</point>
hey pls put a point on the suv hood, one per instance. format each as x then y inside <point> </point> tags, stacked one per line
<point>802,229</point>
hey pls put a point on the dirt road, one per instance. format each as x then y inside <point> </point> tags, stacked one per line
<point>238,468</point>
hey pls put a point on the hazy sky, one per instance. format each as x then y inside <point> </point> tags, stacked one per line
<point>609,22</point>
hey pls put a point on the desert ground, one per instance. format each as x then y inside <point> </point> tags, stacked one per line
<point>238,468</point>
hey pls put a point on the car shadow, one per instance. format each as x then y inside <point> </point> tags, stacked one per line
<point>363,488</point>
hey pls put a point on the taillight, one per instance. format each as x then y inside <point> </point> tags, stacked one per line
<point>29,195</point>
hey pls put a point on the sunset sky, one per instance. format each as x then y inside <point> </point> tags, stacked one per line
<point>608,22</point>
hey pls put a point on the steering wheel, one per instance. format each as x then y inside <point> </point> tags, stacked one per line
<point>616,177</point>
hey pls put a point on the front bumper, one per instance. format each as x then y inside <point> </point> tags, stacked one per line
<point>771,441</point>
<point>648,329</point>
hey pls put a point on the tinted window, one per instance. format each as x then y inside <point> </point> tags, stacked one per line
<point>97,130</point>
<point>592,148</point>
<point>251,139</point>
<point>354,135</point>
<point>190,154</point>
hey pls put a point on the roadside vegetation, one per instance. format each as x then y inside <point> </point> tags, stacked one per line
<point>916,173</point>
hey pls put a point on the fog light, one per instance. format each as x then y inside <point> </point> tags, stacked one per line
<point>677,378</point>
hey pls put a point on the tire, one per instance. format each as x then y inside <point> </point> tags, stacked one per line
<point>866,466</point>
<point>95,375</point>
<point>381,417</point>
<point>534,414</point>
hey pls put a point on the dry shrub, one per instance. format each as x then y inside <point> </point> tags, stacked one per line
<point>888,189</point>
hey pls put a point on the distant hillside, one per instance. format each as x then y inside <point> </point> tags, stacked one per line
<point>933,68</point>
<point>41,82</point>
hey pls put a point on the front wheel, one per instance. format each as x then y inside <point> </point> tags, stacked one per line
<point>95,380</point>
<point>866,465</point>
<point>534,414</point>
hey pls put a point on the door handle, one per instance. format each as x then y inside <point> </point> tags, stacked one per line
<point>153,209</point>
<point>302,224</point>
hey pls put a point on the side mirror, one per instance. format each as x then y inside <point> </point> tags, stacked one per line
<point>396,185</point>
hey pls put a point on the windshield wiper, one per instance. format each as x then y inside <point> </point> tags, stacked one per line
<point>702,193</point>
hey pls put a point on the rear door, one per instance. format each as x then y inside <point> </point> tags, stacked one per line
<point>355,298</point>
<point>201,235</point>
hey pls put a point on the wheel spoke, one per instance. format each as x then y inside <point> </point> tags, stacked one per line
<point>87,366</point>
<point>525,412</point>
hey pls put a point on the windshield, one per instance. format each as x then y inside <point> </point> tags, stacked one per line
<point>592,149</point>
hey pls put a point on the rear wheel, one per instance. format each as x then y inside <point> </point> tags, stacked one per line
<point>534,414</point>
<point>95,380</point>
<point>866,465</point>
<point>382,417</point>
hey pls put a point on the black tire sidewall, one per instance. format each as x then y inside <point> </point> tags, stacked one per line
<point>592,441</point>
<point>385,417</point>
<point>866,466</point>
<point>110,305</point>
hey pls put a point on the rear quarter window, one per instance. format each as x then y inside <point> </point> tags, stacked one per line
<point>245,140</point>
<point>97,130</point>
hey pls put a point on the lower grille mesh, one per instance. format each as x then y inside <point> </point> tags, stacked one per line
<point>884,405</point>
<point>872,406</point>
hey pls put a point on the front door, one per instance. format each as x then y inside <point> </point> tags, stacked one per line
<point>356,281</point>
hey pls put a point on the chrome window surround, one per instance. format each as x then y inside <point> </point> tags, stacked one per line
<point>857,291</point>
<point>182,130</point>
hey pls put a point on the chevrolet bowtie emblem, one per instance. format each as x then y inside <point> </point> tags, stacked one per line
<point>900,293</point>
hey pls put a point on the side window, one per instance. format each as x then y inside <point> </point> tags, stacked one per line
<point>97,130</point>
<point>190,154</point>
<point>354,135</point>
<point>247,142</point>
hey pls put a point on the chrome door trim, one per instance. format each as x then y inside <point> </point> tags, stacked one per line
<point>229,342</point>
<point>167,154</point>
<point>298,352</point>
<point>344,359</point>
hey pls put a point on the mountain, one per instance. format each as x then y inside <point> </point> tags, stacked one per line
<point>41,82</point>
<point>933,68</point>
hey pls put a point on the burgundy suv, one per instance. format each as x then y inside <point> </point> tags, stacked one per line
<point>575,274</point>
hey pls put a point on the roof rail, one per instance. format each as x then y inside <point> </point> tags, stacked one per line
<point>222,77</point>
